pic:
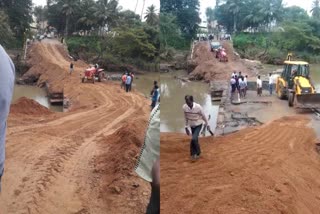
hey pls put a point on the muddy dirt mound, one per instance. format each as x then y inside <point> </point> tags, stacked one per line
<point>120,183</point>
<point>209,68</point>
<point>269,169</point>
<point>28,107</point>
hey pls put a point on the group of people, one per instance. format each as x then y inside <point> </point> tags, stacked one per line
<point>239,84</point>
<point>271,85</point>
<point>126,81</point>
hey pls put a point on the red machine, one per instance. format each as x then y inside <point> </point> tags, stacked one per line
<point>222,55</point>
<point>92,73</point>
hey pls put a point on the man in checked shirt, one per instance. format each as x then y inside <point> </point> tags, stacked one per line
<point>194,117</point>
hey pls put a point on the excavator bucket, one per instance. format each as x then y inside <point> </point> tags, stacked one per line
<point>311,101</point>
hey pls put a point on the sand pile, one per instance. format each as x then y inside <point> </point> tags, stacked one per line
<point>269,169</point>
<point>122,185</point>
<point>28,107</point>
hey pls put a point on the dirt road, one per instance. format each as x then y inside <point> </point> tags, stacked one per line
<point>209,68</point>
<point>76,162</point>
<point>269,169</point>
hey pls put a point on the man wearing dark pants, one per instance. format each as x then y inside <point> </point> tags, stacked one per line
<point>194,117</point>
<point>7,74</point>
<point>128,82</point>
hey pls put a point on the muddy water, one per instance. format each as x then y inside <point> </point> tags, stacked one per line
<point>144,83</point>
<point>172,99</point>
<point>315,73</point>
<point>35,93</point>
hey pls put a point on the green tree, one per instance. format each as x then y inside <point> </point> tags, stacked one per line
<point>294,14</point>
<point>19,14</point>
<point>316,9</point>
<point>6,33</point>
<point>187,13</point>
<point>107,13</point>
<point>68,9</point>
<point>151,16</point>
<point>86,18</point>
<point>128,18</point>
<point>233,7</point>
<point>40,13</point>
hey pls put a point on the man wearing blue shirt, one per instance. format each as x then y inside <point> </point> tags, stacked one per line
<point>128,82</point>
<point>155,96</point>
<point>7,75</point>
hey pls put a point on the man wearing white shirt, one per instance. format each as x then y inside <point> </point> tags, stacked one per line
<point>270,83</point>
<point>194,117</point>
<point>246,82</point>
<point>259,86</point>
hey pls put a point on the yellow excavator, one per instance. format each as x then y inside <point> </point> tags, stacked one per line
<point>295,84</point>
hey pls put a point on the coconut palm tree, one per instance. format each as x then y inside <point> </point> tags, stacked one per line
<point>144,1</point>
<point>316,9</point>
<point>68,9</point>
<point>87,16</point>
<point>234,8</point>
<point>106,13</point>
<point>151,16</point>
<point>135,9</point>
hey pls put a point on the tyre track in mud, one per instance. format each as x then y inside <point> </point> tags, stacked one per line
<point>59,177</point>
<point>51,164</point>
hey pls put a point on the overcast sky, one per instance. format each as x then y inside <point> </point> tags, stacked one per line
<point>126,4</point>
<point>305,4</point>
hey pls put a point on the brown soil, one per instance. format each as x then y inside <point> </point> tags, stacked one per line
<point>28,107</point>
<point>74,162</point>
<point>209,68</point>
<point>269,169</point>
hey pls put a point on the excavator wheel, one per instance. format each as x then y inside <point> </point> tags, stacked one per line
<point>291,99</point>
<point>101,76</point>
<point>279,93</point>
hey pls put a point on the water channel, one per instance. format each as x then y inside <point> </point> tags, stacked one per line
<point>172,96</point>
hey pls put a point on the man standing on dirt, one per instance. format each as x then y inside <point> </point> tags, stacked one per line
<point>246,82</point>
<point>233,87</point>
<point>242,86</point>
<point>131,75</point>
<point>71,68</point>
<point>7,75</point>
<point>128,82</point>
<point>259,86</point>
<point>123,81</point>
<point>194,117</point>
<point>148,166</point>
<point>270,84</point>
